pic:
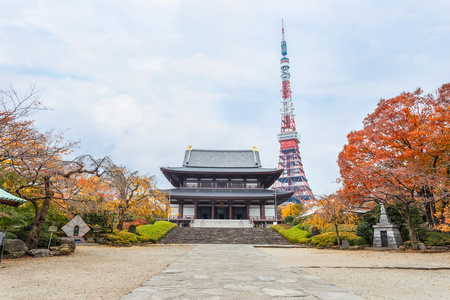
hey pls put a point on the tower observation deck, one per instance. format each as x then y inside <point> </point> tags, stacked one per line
<point>293,178</point>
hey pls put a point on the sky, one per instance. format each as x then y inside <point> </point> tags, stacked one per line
<point>139,81</point>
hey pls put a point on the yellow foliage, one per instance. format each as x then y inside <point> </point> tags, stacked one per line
<point>333,211</point>
<point>291,209</point>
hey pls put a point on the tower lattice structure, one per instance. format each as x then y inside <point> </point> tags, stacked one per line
<point>293,177</point>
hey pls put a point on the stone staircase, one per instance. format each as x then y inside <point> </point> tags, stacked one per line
<point>202,235</point>
<point>217,223</point>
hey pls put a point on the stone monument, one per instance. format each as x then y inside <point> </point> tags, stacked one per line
<point>386,234</point>
<point>76,228</point>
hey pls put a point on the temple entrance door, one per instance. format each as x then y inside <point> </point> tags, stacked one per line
<point>384,239</point>
<point>204,212</point>
<point>239,213</point>
<point>221,213</point>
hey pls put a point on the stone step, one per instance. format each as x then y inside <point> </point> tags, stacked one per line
<point>217,223</point>
<point>203,235</point>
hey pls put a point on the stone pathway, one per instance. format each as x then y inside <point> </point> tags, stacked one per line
<point>199,235</point>
<point>234,272</point>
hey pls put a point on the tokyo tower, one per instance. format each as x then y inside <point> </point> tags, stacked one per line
<point>293,177</point>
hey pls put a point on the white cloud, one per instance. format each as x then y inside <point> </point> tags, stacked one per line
<point>141,80</point>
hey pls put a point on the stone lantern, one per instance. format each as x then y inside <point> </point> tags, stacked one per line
<point>386,234</point>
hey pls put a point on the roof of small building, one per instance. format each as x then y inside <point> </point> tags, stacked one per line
<point>222,158</point>
<point>8,199</point>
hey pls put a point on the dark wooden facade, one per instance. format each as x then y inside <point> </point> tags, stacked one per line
<point>214,184</point>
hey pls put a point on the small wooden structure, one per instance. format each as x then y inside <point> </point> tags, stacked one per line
<point>10,200</point>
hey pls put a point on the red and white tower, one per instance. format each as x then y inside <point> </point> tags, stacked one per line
<point>293,177</point>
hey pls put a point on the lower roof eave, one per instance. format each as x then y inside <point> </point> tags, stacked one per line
<point>281,197</point>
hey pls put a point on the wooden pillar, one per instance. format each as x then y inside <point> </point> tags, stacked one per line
<point>247,206</point>
<point>195,209</point>
<point>230,210</point>
<point>180,209</point>
<point>212,209</point>
<point>263,210</point>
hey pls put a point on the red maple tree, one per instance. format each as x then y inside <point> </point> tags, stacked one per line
<point>402,155</point>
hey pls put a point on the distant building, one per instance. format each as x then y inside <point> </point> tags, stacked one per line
<point>223,184</point>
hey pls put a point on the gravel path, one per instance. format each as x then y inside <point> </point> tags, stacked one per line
<point>370,274</point>
<point>99,272</point>
<point>93,272</point>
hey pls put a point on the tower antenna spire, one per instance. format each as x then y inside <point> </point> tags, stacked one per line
<point>293,177</point>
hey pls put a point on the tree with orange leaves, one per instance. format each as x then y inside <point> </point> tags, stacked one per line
<point>15,128</point>
<point>332,210</point>
<point>134,194</point>
<point>36,158</point>
<point>401,156</point>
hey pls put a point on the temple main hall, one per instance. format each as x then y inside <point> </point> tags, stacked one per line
<point>223,184</point>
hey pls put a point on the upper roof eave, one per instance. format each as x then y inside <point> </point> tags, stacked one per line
<point>211,170</point>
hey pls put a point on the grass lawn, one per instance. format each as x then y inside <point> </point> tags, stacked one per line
<point>293,234</point>
<point>154,232</point>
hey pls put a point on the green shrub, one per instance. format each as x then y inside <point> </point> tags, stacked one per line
<point>288,220</point>
<point>365,230</point>
<point>436,239</point>
<point>11,236</point>
<point>304,226</point>
<point>422,234</point>
<point>153,233</point>
<point>293,234</point>
<point>123,237</point>
<point>280,227</point>
<point>20,234</point>
<point>330,239</point>
<point>304,240</point>
<point>368,218</point>
<point>44,238</point>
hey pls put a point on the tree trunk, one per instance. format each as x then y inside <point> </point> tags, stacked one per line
<point>39,220</point>
<point>107,217</point>
<point>337,235</point>
<point>121,218</point>
<point>412,229</point>
<point>445,201</point>
<point>39,216</point>
<point>430,211</point>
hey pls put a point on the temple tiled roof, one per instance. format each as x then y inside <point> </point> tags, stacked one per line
<point>222,159</point>
<point>8,199</point>
<point>177,175</point>
<point>222,170</point>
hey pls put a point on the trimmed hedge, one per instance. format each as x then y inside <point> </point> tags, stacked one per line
<point>436,239</point>
<point>330,239</point>
<point>123,237</point>
<point>293,234</point>
<point>153,233</point>
<point>304,240</point>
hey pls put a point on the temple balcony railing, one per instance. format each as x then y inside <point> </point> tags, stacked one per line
<point>186,217</point>
<point>224,186</point>
<point>261,219</point>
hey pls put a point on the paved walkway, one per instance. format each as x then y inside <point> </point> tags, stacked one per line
<point>234,272</point>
